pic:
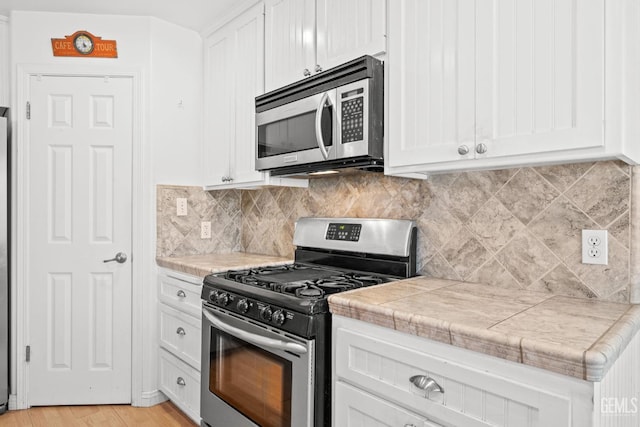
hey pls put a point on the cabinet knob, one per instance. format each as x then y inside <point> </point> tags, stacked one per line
<point>463,149</point>
<point>181,381</point>
<point>426,383</point>
<point>306,72</point>
<point>318,68</point>
<point>181,294</point>
<point>481,148</point>
<point>181,331</point>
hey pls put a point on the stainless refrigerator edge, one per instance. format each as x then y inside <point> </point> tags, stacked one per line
<point>4,258</point>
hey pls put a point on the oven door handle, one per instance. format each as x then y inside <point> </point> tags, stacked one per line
<point>319,138</point>
<point>253,338</point>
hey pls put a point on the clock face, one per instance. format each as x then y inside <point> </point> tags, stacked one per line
<point>83,44</point>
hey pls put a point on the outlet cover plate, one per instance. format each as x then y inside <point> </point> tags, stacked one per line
<point>181,206</point>
<point>205,230</point>
<point>595,247</point>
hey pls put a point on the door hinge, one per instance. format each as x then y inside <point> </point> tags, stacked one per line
<point>28,110</point>
<point>27,353</point>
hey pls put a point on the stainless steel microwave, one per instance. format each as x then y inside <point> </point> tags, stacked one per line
<point>331,121</point>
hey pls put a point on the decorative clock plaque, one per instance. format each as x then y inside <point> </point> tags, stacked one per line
<point>83,43</point>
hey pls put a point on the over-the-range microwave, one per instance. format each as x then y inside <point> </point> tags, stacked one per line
<point>331,121</point>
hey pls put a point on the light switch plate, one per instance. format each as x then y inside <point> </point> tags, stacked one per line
<point>181,206</point>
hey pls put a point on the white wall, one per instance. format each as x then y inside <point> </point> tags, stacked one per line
<point>169,59</point>
<point>176,103</point>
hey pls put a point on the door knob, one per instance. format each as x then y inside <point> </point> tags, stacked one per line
<point>119,258</point>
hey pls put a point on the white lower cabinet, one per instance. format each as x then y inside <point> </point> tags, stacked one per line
<point>181,383</point>
<point>356,408</point>
<point>180,340</point>
<point>378,373</point>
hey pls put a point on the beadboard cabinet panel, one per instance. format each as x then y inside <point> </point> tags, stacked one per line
<point>478,85</point>
<point>346,30</point>
<point>306,37</point>
<point>234,76</point>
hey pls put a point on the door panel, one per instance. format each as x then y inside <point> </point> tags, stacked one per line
<point>347,30</point>
<point>80,146</point>
<point>431,81</point>
<point>540,68</point>
<point>290,41</point>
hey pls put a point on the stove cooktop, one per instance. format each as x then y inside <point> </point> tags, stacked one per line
<point>303,280</point>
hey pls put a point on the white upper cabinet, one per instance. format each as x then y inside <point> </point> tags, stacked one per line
<point>304,37</point>
<point>234,76</point>
<point>478,84</point>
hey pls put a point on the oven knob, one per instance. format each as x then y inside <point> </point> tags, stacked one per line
<point>242,306</point>
<point>265,313</point>
<point>223,299</point>
<point>213,295</point>
<point>278,317</point>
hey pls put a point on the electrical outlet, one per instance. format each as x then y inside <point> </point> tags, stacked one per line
<point>595,247</point>
<point>205,230</point>
<point>181,206</point>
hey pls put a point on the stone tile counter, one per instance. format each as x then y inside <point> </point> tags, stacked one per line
<point>201,265</point>
<point>578,337</point>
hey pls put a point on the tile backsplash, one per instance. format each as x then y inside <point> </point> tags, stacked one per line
<point>515,228</point>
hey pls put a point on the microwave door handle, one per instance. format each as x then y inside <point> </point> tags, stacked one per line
<point>319,138</point>
<point>252,338</point>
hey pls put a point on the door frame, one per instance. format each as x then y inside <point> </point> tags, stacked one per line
<point>20,233</point>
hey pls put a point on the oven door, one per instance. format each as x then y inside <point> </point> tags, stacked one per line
<point>300,132</point>
<point>253,375</point>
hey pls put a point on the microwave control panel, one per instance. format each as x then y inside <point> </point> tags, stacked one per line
<point>352,106</point>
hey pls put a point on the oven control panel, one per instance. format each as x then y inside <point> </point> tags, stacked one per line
<point>259,311</point>
<point>348,232</point>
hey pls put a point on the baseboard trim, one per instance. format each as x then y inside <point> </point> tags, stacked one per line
<point>150,398</point>
<point>13,402</point>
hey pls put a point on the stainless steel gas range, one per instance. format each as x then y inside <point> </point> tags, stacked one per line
<point>266,332</point>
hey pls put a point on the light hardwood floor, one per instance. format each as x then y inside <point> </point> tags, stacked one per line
<point>165,414</point>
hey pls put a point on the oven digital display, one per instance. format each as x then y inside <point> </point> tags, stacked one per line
<point>347,232</point>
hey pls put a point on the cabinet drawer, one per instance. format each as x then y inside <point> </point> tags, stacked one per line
<point>181,294</point>
<point>180,334</point>
<point>355,408</point>
<point>472,396</point>
<point>181,383</point>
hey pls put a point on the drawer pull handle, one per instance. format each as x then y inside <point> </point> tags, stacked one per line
<point>181,294</point>
<point>181,331</point>
<point>181,381</point>
<point>409,425</point>
<point>425,383</point>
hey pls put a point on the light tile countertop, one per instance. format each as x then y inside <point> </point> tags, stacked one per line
<point>577,337</point>
<point>201,265</point>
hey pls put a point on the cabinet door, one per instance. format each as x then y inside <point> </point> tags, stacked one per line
<point>218,105</point>
<point>346,30</point>
<point>290,44</point>
<point>355,408</point>
<point>540,76</point>
<point>431,81</point>
<point>248,72</point>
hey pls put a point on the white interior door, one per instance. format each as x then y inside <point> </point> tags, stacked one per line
<point>80,210</point>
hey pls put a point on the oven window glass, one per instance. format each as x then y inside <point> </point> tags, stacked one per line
<point>255,382</point>
<point>294,134</point>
